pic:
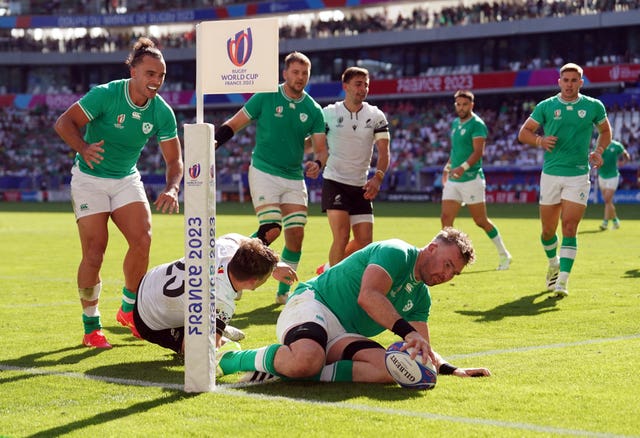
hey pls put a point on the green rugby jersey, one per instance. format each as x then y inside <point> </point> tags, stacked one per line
<point>282,125</point>
<point>124,127</point>
<point>609,168</point>
<point>462,135</point>
<point>338,287</point>
<point>572,123</point>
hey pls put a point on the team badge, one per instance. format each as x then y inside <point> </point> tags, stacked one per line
<point>582,113</point>
<point>147,127</point>
<point>303,117</point>
<point>408,306</point>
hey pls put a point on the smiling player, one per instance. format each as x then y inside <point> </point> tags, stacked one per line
<point>119,117</point>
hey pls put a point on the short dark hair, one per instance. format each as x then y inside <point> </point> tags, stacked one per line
<point>352,72</point>
<point>253,259</point>
<point>464,93</point>
<point>143,47</point>
<point>296,57</point>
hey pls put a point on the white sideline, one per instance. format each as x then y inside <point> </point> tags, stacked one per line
<point>234,389</point>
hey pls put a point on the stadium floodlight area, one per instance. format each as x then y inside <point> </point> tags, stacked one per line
<point>233,56</point>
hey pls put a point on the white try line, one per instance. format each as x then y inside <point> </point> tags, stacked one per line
<point>235,390</point>
<point>543,347</point>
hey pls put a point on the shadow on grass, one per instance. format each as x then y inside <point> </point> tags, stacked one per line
<point>114,415</point>
<point>529,305</point>
<point>323,392</point>
<point>266,315</point>
<point>596,231</point>
<point>161,370</point>
<point>632,273</point>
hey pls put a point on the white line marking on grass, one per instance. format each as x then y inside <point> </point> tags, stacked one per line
<point>235,389</point>
<point>543,347</point>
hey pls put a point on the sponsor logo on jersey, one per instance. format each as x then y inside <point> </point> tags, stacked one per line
<point>239,47</point>
<point>147,127</point>
<point>136,115</point>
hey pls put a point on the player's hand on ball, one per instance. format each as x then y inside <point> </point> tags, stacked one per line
<point>419,346</point>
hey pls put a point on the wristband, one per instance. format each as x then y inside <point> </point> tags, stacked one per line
<point>223,134</point>
<point>402,328</point>
<point>319,163</point>
<point>465,165</point>
<point>380,174</point>
<point>446,368</point>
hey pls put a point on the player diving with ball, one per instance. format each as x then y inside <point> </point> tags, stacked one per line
<point>325,328</point>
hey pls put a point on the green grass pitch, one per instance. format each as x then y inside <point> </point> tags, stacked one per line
<point>560,368</point>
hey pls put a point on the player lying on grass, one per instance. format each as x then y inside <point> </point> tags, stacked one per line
<point>242,263</point>
<point>324,328</point>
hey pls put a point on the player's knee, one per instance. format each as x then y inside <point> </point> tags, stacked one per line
<point>295,221</point>
<point>308,342</point>
<point>94,255</point>
<point>142,243</point>
<point>270,219</point>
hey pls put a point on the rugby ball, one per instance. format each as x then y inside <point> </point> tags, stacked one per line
<point>407,372</point>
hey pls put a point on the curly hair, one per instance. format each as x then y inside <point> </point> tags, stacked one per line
<point>453,236</point>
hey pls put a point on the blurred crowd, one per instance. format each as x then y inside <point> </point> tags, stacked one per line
<point>419,130</point>
<point>353,23</point>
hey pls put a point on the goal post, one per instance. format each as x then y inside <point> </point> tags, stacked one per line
<point>232,56</point>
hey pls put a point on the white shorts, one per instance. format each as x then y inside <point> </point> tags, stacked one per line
<point>469,192</point>
<point>268,189</point>
<point>92,194</point>
<point>608,183</point>
<point>553,189</point>
<point>303,308</point>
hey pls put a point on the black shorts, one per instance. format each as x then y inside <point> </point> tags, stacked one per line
<point>338,196</point>
<point>168,338</point>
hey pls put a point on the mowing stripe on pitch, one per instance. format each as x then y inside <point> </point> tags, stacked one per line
<point>234,389</point>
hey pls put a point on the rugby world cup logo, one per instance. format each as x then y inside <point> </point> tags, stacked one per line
<point>239,47</point>
<point>194,171</point>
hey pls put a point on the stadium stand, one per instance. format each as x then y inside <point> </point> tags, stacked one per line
<point>438,40</point>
